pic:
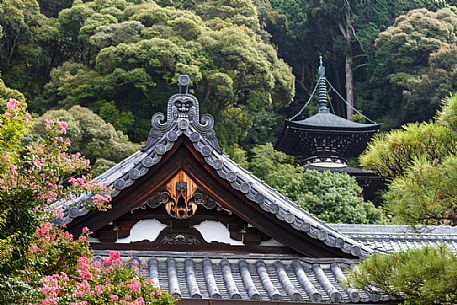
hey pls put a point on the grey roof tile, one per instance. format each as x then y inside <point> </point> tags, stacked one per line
<point>329,120</point>
<point>390,238</point>
<point>264,277</point>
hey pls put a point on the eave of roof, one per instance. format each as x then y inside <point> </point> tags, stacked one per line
<point>330,122</point>
<point>346,169</point>
<point>392,238</point>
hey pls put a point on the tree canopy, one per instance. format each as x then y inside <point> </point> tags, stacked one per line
<point>90,135</point>
<point>39,261</point>
<point>122,58</point>
<point>419,162</point>
<point>362,44</point>
<point>423,276</point>
<point>418,57</point>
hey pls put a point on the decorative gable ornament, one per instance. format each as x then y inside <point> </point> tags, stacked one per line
<point>182,116</point>
<point>180,194</point>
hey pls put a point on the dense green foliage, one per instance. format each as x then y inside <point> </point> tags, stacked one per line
<point>418,57</point>
<point>91,136</point>
<point>392,153</point>
<point>420,163</point>
<point>121,59</point>
<point>332,197</point>
<point>427,194</point>
<point>421,276</point>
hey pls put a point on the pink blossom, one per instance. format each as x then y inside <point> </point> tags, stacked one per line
<point>63,126</point>
<point>12,104</point>
<point>135,286</point>
<point>85,230</point>
<point>115,255</point>
<point>58,213</point>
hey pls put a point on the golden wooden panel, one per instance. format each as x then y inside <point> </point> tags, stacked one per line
<point>181,188</point>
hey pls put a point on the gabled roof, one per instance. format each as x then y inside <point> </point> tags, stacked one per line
<point>183,121</point>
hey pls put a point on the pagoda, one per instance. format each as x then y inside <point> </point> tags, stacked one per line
<point>325,141</point>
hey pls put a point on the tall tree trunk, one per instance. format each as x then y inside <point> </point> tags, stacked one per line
<point>349,88</point>
<point>346,31</point>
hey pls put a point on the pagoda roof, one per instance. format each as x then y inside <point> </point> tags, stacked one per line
<point>324,134</point>
<point>354,171</point>
<point>330,122</point>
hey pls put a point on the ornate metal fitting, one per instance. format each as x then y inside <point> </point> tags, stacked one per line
<point>182,239</point>
<point>180,202</point>
<point>182,196</point>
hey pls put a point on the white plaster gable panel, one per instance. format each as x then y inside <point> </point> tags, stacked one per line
<point>148,229</point>
<point>215,231</point>
<point>271,243</point>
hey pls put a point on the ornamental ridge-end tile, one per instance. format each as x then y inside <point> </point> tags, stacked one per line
<point>183,113</point>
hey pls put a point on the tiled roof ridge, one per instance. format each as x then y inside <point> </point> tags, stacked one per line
<point>252,257</point>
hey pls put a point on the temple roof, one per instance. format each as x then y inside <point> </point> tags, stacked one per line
<point>242,277</point>
<point>389,238</point>
<point>163,136</point>
<point>281,277</point>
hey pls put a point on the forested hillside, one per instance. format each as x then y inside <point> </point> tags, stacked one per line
<point>394,60</point>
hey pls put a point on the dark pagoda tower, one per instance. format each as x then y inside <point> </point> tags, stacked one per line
<point>325,142</point>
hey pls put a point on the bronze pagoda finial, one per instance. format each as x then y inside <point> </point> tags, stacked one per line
<point>322,88</point>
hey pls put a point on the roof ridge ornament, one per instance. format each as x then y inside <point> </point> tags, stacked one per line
<point>183,116</point>
<point>322,88</point>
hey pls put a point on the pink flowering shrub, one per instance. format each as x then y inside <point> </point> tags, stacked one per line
<point>101,282</point>
<point>41,263</point>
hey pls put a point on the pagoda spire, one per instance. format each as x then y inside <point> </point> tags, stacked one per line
<point>322,88</point>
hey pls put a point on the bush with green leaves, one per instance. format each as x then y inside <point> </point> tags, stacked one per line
<point>421,276</point>
<point>40,262</point>
<point>391,154</point>
<point>333,197</point>
<point>419,162</point>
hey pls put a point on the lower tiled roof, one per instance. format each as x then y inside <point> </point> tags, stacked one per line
<point>251,277</point>
<point>392,238</point>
